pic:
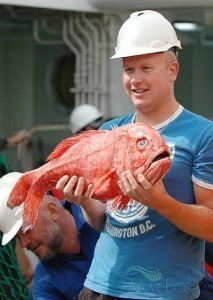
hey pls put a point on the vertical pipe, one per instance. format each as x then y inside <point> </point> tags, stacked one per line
<point>104,66</point>
<point>90,60</point>
<point>83,54</point>
<point>75,50</point>
<point>95,32</point>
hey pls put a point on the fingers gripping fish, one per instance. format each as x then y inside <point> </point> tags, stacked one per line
<point>100,157</point>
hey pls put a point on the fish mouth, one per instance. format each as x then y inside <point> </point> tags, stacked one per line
<point>162,155</point>
<point>157,165</point>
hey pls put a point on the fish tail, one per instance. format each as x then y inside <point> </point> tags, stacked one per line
<point>18,193</point>
<point>34,199</point>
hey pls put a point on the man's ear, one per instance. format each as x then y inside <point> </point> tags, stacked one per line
<point>174,68</point>
<point>52,211</point>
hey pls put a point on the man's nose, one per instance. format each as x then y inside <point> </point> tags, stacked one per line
<point>137,77</point>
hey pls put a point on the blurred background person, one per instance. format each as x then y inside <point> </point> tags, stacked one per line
<point>85,117</point>
<point>13,140</point>
<point>10,142</point>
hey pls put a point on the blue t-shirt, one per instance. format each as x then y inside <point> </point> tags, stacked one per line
<point>142,255</point>
<point>63,276</point>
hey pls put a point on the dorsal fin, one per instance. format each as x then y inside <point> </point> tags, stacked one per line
<point>69,142</point>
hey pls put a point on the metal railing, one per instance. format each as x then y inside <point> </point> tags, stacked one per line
<point>25,150</point>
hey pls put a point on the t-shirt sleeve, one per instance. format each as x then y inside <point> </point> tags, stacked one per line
<point>202,173</point>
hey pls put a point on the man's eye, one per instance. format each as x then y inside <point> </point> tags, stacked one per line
<point>128,70</point>
<point>146,68</point>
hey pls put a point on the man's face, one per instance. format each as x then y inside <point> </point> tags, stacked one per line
<point>44,239</point>
<point>147,80</point>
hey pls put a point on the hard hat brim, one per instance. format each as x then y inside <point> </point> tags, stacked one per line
<point>143,51</point>
<point>8,236</point>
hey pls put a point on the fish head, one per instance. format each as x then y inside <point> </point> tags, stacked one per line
<point>142,150</point>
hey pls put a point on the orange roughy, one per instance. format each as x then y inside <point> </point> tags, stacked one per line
<point>100,157</point>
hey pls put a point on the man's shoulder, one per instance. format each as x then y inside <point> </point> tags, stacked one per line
<point>117,122</point>
<point>202,127</point>
<point>47,280</point>
<point>195,118</point>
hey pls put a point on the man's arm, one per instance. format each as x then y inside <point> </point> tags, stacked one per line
<point>93,210</point>
<point>196,220</point>
<point>14,139</point>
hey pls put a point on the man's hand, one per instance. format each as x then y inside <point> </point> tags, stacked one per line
<point>142,190</point>
<point>17,138</point>
<point>73,189</point>
<point>93,210</point>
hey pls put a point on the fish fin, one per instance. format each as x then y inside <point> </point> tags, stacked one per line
<point>103,181</point>
<point>123,202</point>
<point>64,145</point>
<point>119,202</point>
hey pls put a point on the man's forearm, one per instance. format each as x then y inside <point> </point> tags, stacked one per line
<point>196,220</point>
<point>94,212</point>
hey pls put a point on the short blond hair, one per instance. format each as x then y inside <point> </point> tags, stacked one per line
<point>170,57</point>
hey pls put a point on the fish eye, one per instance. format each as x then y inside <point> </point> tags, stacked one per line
<point>142,143</point>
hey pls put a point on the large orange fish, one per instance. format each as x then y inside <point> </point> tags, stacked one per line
<point>99,156</point>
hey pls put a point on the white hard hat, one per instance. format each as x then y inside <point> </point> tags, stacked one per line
<point>10,219</point>
<point>145,32</point>
<point>82,116</point>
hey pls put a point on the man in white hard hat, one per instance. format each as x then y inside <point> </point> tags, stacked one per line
<point>61,239</point>
<point>12,280</point>
<point>10,219</point>
<point>154,248</point>
<point>85,117</point>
